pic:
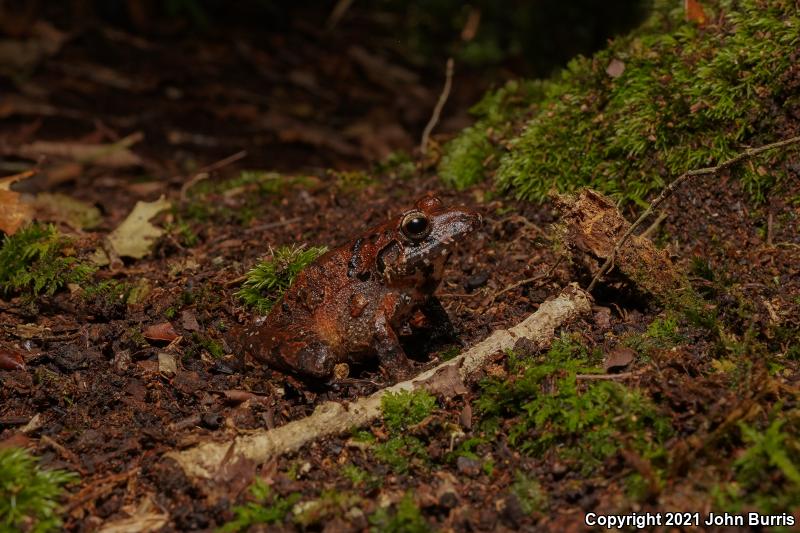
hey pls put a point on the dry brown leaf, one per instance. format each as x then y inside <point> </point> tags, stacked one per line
<point>694,12</point>
<point>619,358</point>
<point>11,359</point>
<point>108,155</point>
<point>145,517</point>
<point>13,211</point>
<point>62,208</point>
<point>19,55</point>
<point>160,332</point>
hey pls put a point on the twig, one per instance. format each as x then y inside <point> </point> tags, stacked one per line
<point>25,174</point>
<point>526,281</point>
<point>98,489</point>
<point>621,375</point>
<point>770,229</point>
<point>669,189</point>
<point>654,226</point>
<point>437,110</point>
<point>337,13</point>
<point>203,173</point>
<point>122,144</point>
<point>332,418</point>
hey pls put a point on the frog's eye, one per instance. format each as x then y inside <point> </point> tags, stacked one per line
<point>415,226</point>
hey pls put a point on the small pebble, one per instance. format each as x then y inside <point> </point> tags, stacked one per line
<point>212,420</point>
<point>476,280</point>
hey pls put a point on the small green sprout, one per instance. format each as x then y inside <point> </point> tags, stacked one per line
<point>269,279</point>
<point>406,518</point>
<point>265,509</point>
<point>29,494</point>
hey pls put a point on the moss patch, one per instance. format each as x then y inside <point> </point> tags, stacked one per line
<point>29,494</point>
<point>546,409</point>
<point>678,97</point>
<point>266,508</point>
<point>269,279</point>
<point>39,260</point>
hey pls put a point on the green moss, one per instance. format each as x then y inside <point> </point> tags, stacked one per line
<point>329,504</point>
<point>401,453</point>
<point>404,409</point>
<point>465,157</point>
<point>29,494</point>
<point>352,180</point>
<point>269,279</point>
<point>687,97</point>
<point>111,291</point>
<point>401,411</point>
<point>529,493</point>
<point>265,508</point>
<point>584,423</point>
<point>767,473</point>
<point>397,165</point>
<point>248,190</point>
<point>36,260</point>
<point>202,342</point>
<point>358,476</point>
<point>661,334</point>
<point>406,518</point>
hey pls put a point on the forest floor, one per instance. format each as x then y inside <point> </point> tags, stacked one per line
<point>94,399</point>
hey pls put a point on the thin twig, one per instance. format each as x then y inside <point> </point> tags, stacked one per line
<point>669,189</point>
<point>338,12</point>
<point>654,226</point>
<point>525,281</point>
<point>203,173</point>
<point>621,375</point>
<point>770,229</point>
<point>437,110</point>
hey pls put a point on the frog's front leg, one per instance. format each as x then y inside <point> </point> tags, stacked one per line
<point>390,354</point>
<point>436,314</point>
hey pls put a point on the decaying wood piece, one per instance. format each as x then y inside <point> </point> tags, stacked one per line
<point>591,227</point>
<point>205,460</point>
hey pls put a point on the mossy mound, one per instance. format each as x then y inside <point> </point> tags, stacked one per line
<point>671,96</point>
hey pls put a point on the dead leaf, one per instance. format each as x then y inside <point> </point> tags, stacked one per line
<point>13,211</point>
<point>189,321</point>
<point>615,68</point>
<point>619,358</point>
<point>167,364</point>
<point>146,517</point>
<point>136,235</point>
<point>160,332</point>
<point>447,382</point>
<point>11,359</point>
<point>239,396</point>
<point>114,155</point>
<point>694,12</point>
<point>62,208</point>
<point>19,55</point>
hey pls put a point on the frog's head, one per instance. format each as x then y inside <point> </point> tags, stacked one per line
<point>424,237</point>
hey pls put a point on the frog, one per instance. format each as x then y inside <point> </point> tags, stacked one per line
<point>350,305</point>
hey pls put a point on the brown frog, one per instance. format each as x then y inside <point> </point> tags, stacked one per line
<point>350,304</point>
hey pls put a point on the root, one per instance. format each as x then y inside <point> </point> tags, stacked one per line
<point>205,460</point>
